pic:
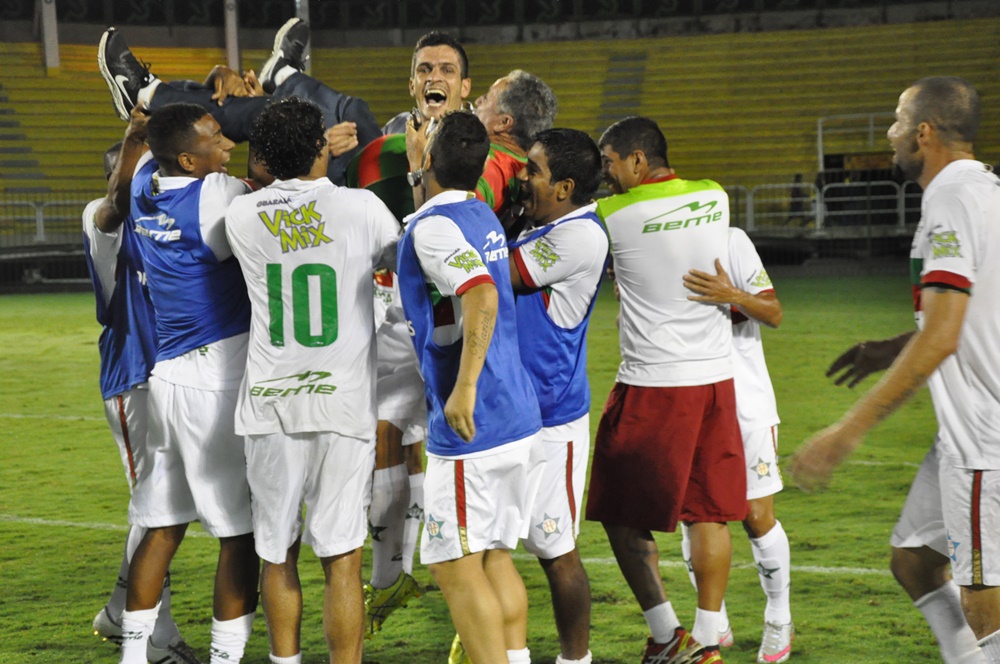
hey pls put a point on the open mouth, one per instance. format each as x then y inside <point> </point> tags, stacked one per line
<point>435,97</point>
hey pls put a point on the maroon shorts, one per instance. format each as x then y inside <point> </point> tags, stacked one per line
<point>668,454</point>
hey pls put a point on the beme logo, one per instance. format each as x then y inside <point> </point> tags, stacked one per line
<point>306,382</point>
<point>692,214</point>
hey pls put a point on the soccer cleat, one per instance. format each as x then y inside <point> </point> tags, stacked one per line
<point>776,645</point>
<point>289,49</point>
<point>175,652</point>
<point>124,74</point>
<point>457,655</point>
<point>106,628</point>
<point>726,639</point>
<point>380,602</point>
<point>664,653</point>
<point>698,655</point>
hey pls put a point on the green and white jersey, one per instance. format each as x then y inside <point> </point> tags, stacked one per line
<point>308,250</point>
<point>659,230</point>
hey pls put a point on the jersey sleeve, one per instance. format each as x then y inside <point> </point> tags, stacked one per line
<point>103,249</point>
<point>492,188</point>
<point>385,233</point>
<point>949,243</point>
<point>567,251</point>
<point>746,270</point>
<point>447,258</point>
<point>217,192</point>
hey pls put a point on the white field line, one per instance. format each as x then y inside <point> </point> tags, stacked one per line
<point>77,418</point>
<point>807,569</point>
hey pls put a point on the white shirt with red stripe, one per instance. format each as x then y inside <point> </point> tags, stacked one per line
<point>438,240</point>
<point>569,260</point>
<point>957,246</point>
<point>756,407</point>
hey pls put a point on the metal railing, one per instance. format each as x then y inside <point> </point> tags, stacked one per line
<point>43,219</point>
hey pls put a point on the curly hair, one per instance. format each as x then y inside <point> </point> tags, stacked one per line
<point>288,136</point>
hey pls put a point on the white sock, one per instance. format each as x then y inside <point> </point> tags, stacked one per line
<point>116,603</point>
<point>991,647</point>
<point>414,517</point>
<point>662,622</point>
<point>706,627</point>
<point>686,552</point>
<point>136,628</point>
<point>145,96</point>
<point>773,557</point>
<point>586,659</point>
<point>165,629</point>
<point>294,659</point>
<point>229,639</point>
<point>942,609</point>
<point>522,656</point>
<point>282,74</point>
<point>386,514</point>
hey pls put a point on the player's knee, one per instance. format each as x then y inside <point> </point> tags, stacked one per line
<point>760,519</point>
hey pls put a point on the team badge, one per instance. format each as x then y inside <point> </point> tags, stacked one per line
<point>952,547</point>
<point>434,527</point>
<point>762,468</point>
<point>549,526</point>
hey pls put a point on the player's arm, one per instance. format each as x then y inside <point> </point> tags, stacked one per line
<point>943,311</point>
<point>865,358</point>
<point>479,315</point>
<point>115,207</point>
<point>719,289</point>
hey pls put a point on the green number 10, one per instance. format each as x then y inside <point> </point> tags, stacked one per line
<point>302,307</point>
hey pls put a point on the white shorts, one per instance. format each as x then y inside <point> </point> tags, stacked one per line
<point>555,514</point>
<point>921,522</point>
<point>195,469</point>
<point>956,512</point>
<point>472,505</point>
<point>399,388</point>
<point>128,418</point>
<point>761,449</point>
<point>329,473</point>
<point>971,505</point>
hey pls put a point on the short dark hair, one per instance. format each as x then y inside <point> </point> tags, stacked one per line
<point>637,133</point>
<point>458,151</point>
<point>949,103</point>
<point>573,155</point>
<point>532,104</point>
<point>288,136</point>
<point>111,159</point>
<point>170,131</point>
<point>438,38</point>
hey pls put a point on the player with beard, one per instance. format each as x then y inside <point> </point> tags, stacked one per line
<point>951,512</point>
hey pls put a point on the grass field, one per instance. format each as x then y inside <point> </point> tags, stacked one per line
<point>63,501</point>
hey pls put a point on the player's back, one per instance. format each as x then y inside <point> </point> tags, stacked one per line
<point>307,249</point>
<point>660,230</point>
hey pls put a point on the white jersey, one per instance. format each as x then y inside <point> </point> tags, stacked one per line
<point>755,404</point>
<point>569,262</point>
<point>659,230</point>
<point>957,245</point>
<point>308,250</point>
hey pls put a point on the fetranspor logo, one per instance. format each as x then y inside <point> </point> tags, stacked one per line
<point>306,382</point>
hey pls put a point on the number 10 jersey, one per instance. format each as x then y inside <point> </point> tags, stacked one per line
<point>308,250</point>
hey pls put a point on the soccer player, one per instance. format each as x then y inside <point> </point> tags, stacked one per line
<point>439,82</point>
<point>127,348</point>
<point>668,446</point>
<point>556,268</point>
<point>753,302</point>
<point>455,285</point>
<point>308,249</point>
<point>950,512</point>
<point>196,467</point>
<point>236,103</point>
